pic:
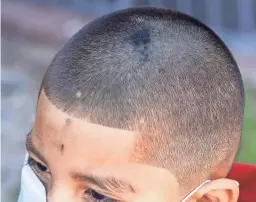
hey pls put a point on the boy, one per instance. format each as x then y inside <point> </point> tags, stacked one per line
<point>143,104</point>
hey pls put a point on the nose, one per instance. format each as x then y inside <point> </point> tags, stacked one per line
<point>61,193</point>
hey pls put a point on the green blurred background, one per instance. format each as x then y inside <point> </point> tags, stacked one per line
<point>247,151</point>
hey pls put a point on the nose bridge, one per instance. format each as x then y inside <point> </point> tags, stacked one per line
<point>59,192</point>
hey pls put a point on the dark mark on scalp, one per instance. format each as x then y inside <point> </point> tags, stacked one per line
<point>141,37</point>
<point>141,41</point>
<point>161,71</point>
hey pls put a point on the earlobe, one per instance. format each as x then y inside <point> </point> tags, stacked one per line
<point>223,190</point>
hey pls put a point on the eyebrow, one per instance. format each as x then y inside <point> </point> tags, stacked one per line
<point>107,183</point>
<point>30,147</point>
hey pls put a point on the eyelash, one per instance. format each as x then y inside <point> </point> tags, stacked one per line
<point>96,196</point>
<point>36,166</point>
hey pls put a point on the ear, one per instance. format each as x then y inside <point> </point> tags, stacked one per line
<point>223,190</point>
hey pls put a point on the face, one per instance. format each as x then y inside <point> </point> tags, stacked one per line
<point>79,161</point>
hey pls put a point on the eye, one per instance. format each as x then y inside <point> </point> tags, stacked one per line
<point>36,166</point>
<point>41,167</point>
<point>98,197</point>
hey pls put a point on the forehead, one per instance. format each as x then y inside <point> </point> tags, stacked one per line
<point>57,130</point>
<point>69,144</point>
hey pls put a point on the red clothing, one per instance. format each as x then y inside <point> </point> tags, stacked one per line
<point>245,174</point>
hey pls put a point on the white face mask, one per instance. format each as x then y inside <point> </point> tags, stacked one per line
<point>33,190</point>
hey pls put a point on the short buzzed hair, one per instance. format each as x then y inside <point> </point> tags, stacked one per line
<point>160,73</point>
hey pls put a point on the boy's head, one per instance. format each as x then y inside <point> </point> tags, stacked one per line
<point>140,105</point>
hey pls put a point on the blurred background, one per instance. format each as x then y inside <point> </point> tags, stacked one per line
<point>34,30</point>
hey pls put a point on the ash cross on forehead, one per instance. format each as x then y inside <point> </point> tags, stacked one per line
<point>68,122</point>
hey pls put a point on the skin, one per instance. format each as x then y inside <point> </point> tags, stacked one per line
<point>73,158</point>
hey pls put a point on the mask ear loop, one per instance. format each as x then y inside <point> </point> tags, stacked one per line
<point>195,190</point>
